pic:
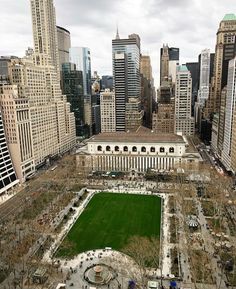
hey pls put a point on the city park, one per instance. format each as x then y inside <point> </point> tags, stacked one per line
<point>116,232</point>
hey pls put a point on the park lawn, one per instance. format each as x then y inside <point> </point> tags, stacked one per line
<point>109,220</point>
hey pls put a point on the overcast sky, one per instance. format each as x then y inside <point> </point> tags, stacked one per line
<point>190,25</point>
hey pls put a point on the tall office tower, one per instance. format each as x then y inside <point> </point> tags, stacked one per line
<point>230,122</point>
<point>147,89</point>
<point>72,87</point>
<point>43,122</point>
<point>45,34</point>
<point>64,44</point>
<point>164,67</point>
<point>81,57</point>
<point>126,72</point>
<point>108,111</point>
<point>184,123</point>
<point>8,177</point>
<point>146,67</point>
<point>120,84</point>
<point>225,50</point>
<point>204,82</point>
<point>173,63</point>
<point>169,61</point>
<point>193,67</point>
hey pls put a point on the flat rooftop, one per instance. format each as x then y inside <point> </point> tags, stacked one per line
<point>136,137</point>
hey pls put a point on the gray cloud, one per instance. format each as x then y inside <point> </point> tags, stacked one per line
<point>189,25</point>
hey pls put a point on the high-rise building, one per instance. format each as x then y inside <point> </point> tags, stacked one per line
<point>184,123</point>
<point>225,50</point>
<point>108,111</point>
<point>147,88</point>
<point>164,67</point>
<point>81,57</point>
<point>72,87</point>
<point>204,82</point>
<point>43,125</point>
<point>8,177</point>
<point>45,34</point>
<point>230,122</point>
<point>193,68</point>
<point>16,116</point>
<point>64,44</point>
<point>126,72</point>
<point>169,61</point>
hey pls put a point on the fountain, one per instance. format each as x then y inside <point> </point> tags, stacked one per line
<point>99,274</point>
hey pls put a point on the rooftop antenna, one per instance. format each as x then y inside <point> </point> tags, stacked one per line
<point>117,32</point>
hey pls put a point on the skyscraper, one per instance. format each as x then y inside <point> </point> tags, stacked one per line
<point>72,86</point>
<point>147,88</point>
<point>204,83</point>
<point>43,125</point>
<point>169,61</point>
<point>126,72</point>
<point>225,50</point>
<point>64,44</point>
<point>108,111</point>
<point>230,122</point>
<point>81,57</point>
<point>45,33</point>
<point>164,67</point>
<point>184,123</point>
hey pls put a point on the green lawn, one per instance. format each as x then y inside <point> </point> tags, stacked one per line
<point>109,220</point>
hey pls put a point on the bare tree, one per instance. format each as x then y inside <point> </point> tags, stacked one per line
<point>145,252</point>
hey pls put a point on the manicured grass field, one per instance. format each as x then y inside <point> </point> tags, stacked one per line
<point>109,220</point>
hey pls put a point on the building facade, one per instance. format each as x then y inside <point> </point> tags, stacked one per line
<point>137,152</point>
<point>164,119</point>
<point>17,121</point>
<point>184,123</point>
<point>169,61</point>
<point>64,44</point>
<point>230,123</point>
<point>147,88</point>
<point>225,50</point>
<point>8,177</point>
<point>108,111</point>
<point>204,83</point>
<point>72,87</point>
<point>126,72</point>
<point>81,57</point>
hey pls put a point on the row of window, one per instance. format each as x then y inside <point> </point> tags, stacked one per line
<point>134,149</point>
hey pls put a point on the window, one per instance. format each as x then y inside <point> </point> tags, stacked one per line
<point>134,149</point>
<point>143,149</point>
<point>152,150</point>
<point>162,150</point>
<point>171,150</point>
<point>125,149</point>
<point>117,148</point>
<point>108,148</point>
<point>99,148</point>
